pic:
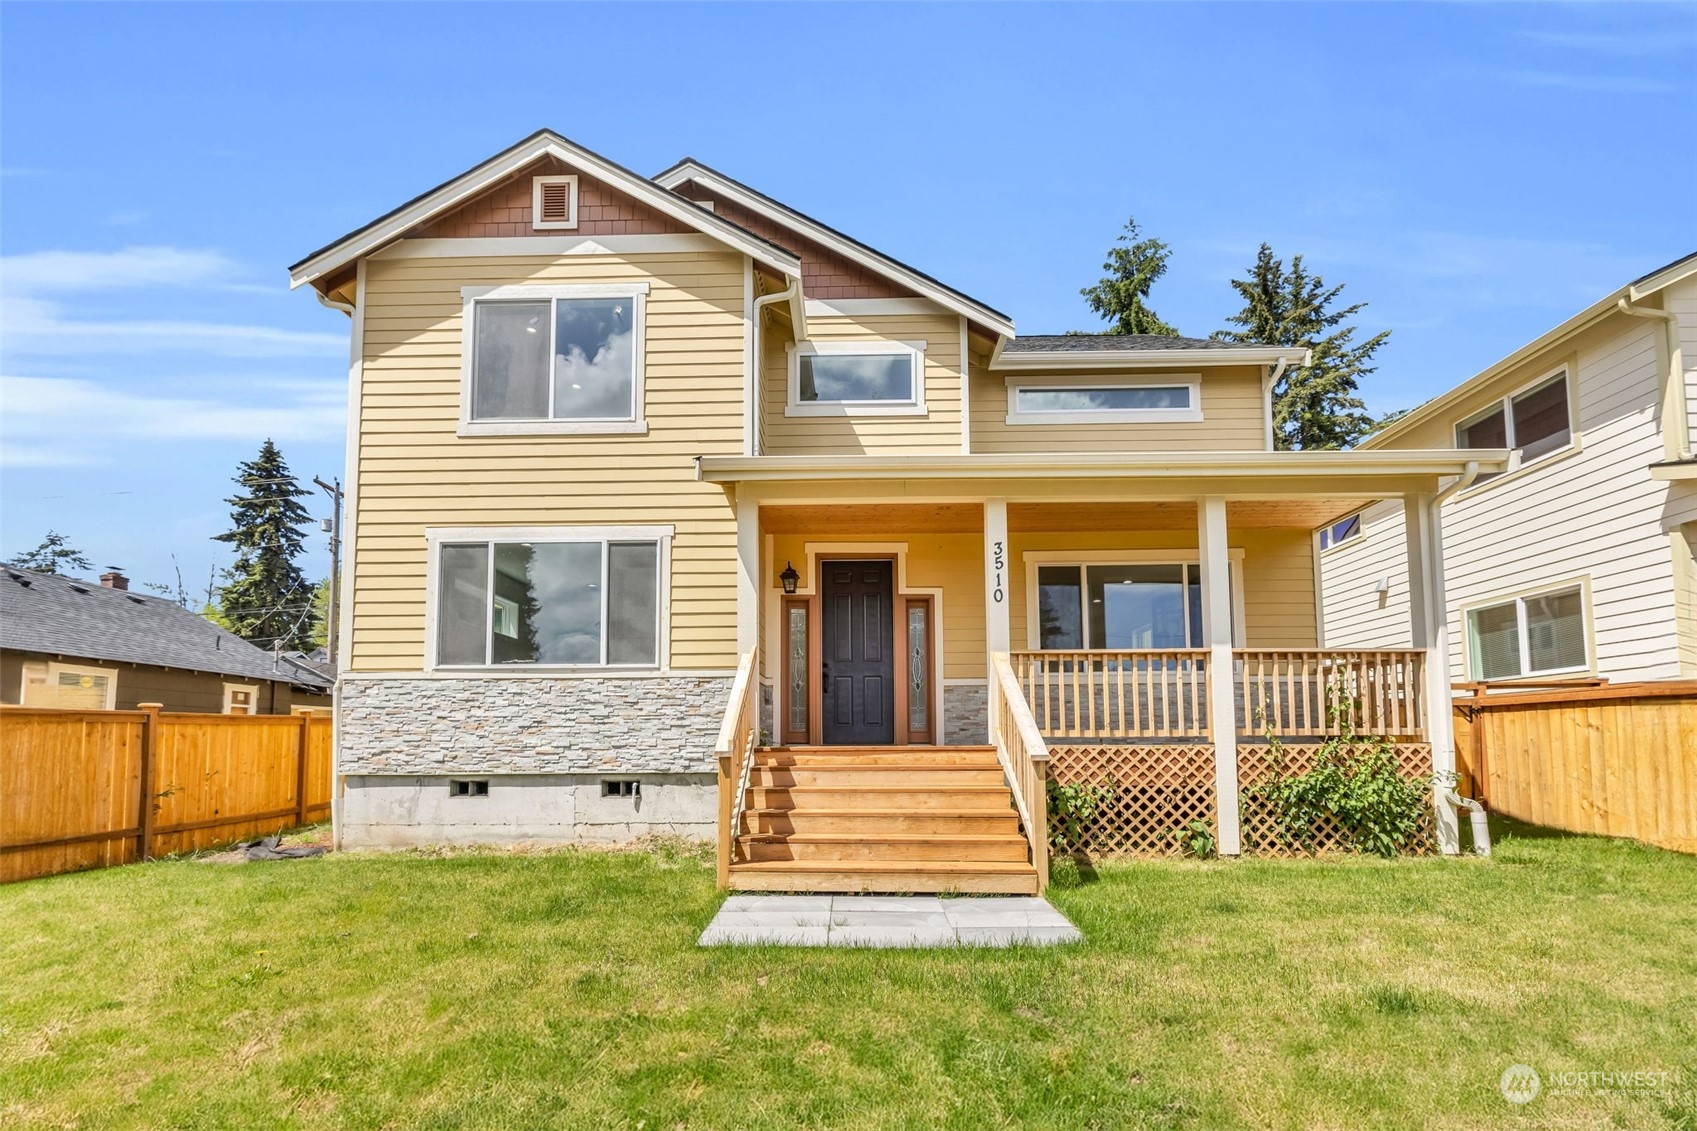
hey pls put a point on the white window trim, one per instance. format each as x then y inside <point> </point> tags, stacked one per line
<point>914,407</point>
<point>438,536</point>
<point>1192,382</point>
<point>1081,558</point>
<point>251,688</point>
<point>1519,599</point>
<point>635,424</point>
<point>1505,404</point>
<point>54,668</point>
<point>1360,534</point>
<point>536,220</point>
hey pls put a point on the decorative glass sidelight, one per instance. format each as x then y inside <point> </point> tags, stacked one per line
<point>918,667</point>
<point>796,668</point>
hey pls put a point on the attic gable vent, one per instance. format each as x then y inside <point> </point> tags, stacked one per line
<point>553,202</point>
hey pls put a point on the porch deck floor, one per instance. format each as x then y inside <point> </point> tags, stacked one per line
<point>903,921</point>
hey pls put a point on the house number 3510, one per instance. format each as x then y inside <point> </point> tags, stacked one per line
<point>999,561</point>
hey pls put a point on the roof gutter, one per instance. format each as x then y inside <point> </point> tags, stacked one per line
<point>1676,425</point>
<point>1467,479</point>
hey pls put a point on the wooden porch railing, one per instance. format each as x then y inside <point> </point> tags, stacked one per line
<point>1025,761</point>
<point>735,752</point>
<point>1305,692</point>
<point>1159,695</point>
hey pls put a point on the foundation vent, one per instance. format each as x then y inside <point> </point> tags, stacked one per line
<point>459,787</point>
<point>621,788</point>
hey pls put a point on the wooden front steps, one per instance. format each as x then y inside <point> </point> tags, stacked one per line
<point>880,819</point>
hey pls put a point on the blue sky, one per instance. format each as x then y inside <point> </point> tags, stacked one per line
<point>1475,172</point>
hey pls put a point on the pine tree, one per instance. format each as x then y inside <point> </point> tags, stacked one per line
<point>265,597</point>
<point>55,555</point>
<point>1122,296</point>
<point>1315,407</point>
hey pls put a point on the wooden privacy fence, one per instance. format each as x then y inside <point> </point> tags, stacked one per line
<point>91,789</point>
<point>1616,760</point>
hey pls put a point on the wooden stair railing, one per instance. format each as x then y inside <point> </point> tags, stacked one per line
<point>735,752</point>
<point>1024,758</point>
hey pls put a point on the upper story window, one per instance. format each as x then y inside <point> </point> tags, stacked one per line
<point>551,597</point>
<point>553,359</point>
<point>1531,423</point>
<point>1074,401</point>
<point>1341,531</point>
<point>1541,634</point>
<point>857,379</point>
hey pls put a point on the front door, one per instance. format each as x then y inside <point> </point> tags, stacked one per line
<point>858,677</point>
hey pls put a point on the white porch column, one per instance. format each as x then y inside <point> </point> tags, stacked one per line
<point>1429,627</point>
<point>748,574</point>
<point>997,636</point>
<point>1222,689</point>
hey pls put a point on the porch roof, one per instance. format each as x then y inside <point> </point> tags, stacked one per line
<point>1359,474</point>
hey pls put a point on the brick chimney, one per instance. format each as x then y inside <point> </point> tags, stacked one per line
<point>112,579</point>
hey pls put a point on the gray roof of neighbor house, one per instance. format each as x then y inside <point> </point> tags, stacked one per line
<point>1102,343</point>
<point>62,616</point>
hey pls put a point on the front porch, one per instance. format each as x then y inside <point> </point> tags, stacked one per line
<point>1140,653</point>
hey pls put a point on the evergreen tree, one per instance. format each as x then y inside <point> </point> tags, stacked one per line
<point>1122,297</point>
<point>265,598</point>
<point>1315,407</point>
<point>55,555</point>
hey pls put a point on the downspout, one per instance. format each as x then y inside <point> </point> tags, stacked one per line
<point>1475,817</point>
<point>1676,441</point>
<point>1475,809</point>
<point>345,307</point>
<point>1267,384</point>
<point>790,294</point>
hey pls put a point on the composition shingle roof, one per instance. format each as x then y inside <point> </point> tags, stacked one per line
<point>1108,343</point>
<point>40,612</point>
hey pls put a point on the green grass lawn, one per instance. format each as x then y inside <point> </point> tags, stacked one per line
<point>564,989</point>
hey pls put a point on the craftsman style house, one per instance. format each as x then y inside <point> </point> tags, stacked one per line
<point>1575,564</point>
<point>673,508</point>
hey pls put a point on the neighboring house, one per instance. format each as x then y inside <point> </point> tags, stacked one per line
<point>614,439</point>
<point>1576,562</point>
<point>73,644</point>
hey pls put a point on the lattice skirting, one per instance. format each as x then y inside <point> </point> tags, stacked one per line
<point>1262,835</point>
<point>1135,801</point>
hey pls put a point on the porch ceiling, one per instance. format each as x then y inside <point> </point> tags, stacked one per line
<point>968,518</point>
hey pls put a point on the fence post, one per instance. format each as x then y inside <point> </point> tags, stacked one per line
<point>149,755</point>
<point>303,746</point>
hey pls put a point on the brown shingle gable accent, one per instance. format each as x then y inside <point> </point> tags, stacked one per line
<point>505,210</point>
<point>824,274</point>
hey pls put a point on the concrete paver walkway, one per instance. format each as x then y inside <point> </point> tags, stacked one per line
<point>887,921</point>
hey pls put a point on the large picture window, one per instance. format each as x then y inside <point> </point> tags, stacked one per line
<point>1119,606</point>
<point>857,378</point>
<point>554,357</point>
<point>1531,423</point>
<point>1537,635</point>
<point>556,600</point>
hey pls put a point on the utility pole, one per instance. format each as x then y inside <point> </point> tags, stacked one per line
<point>333,526</point>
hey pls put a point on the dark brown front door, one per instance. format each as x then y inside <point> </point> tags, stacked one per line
<point>858,680</point>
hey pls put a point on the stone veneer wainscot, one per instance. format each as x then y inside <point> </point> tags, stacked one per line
<point>391,724</point>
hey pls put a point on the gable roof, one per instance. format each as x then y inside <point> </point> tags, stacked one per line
<point>450,194</point>
<point>61,616</point>
<point>689,169</point>
<point>1641,287</point>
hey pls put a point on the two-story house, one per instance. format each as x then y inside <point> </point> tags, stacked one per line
<point>1575,562</point>
<point>672,508</point>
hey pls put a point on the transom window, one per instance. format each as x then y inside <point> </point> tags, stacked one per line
<point>1536,635</point>
<point>1531,423</point>
<point>1119,606</point>
<point>1074,401</point>
<point>556,599</point>
<point>856,378</point>
<point>1340,532</point>
<point>570,355</point>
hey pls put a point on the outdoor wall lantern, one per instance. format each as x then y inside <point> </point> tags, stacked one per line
<point>789,577</point>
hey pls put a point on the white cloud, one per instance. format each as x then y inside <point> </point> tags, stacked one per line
<point>1591,84</point>
<point>68,422</point>
<point>1657,41</point>
<point>37,271</point>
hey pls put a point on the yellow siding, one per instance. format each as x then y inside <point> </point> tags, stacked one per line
<point>1233,418</point>
<point>414,471</point>
<point>953,563</point>
<point>935,433</point>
